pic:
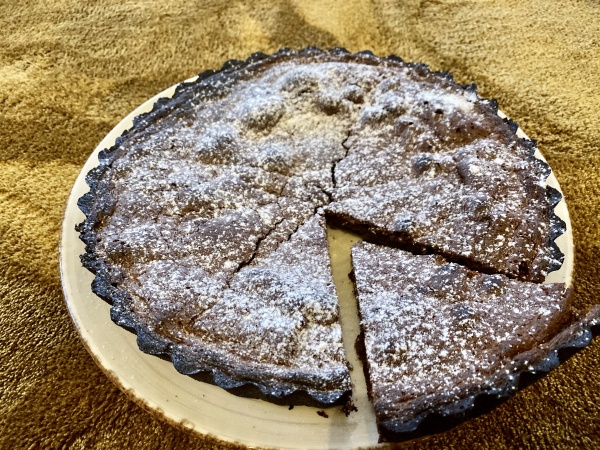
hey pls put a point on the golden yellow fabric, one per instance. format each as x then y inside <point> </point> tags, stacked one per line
<point>70,70</point>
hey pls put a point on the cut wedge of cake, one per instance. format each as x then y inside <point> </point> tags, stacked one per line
<point>438,336</point>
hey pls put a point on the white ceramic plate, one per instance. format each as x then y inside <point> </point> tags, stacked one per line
<point>204,408</point>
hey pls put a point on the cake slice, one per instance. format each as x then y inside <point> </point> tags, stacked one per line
<point>484,204</point>
<point>272,332</point>
<point>278,324</point>
<point>431,166</point>
<point>437,335</point>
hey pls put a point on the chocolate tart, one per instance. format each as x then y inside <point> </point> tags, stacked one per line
<point>205,221</point>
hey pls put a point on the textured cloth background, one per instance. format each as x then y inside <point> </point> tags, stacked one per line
<point>69,72</point>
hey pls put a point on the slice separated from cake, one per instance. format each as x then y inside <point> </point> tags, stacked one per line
<point>438,336</point>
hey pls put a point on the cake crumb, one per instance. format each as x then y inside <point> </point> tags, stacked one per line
<point>348,408</point>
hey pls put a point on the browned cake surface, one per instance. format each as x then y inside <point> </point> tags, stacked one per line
<point>430,166</point>
<point>483,203</point>
<point>437,335</point>
<point>275,325</point>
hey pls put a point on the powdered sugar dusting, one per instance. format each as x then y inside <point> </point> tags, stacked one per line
<point>215,230</point>
<point>282,311</point>
<point>436,332</point>
<point>462,204</point>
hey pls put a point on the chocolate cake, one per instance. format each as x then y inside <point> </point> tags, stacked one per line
<point>437,334</point>
<point>205,221</point>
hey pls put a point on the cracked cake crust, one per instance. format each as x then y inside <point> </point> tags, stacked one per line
<point>255,184</point>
